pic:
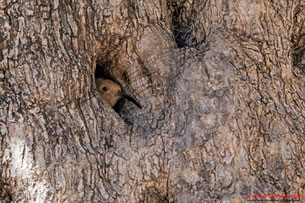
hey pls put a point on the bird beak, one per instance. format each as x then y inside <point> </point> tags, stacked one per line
<point>123,94</point>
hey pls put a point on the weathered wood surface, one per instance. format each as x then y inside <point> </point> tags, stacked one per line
<point>221,84</point>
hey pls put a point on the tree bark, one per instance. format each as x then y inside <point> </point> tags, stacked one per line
<point>221,84</point>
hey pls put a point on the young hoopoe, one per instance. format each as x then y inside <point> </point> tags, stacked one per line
<point>111,92</point>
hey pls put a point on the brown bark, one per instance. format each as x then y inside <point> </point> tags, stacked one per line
<point>221,84</point>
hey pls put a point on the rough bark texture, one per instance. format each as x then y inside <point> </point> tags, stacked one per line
<point>221,84</point>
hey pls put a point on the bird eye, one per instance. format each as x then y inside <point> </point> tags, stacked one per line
<point>105,89</point>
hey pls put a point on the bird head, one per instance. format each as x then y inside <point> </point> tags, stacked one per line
<point>108,90</point>
<point>111,92</point>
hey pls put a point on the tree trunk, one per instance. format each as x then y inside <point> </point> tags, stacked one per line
<point>221,84</point>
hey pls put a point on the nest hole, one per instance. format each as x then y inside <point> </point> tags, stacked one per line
<point>104,71</point>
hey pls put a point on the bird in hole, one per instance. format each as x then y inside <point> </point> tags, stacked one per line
<point>112,92</point>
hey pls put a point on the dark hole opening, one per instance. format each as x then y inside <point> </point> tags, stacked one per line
<point>125,105</point>
<point>102,71</point>
<point>298,51</point>
<point>183,25</point>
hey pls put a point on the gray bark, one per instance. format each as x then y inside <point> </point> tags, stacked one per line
<point>221,84</point>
